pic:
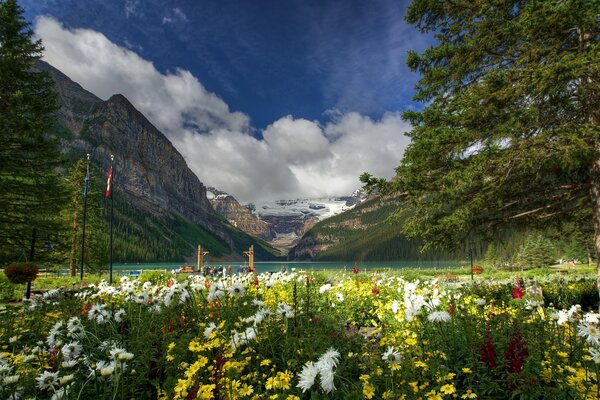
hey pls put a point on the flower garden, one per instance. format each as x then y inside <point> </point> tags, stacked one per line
<point>301,336</point>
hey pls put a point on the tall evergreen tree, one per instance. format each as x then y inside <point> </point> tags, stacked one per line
<point>30,186</point>
<point>510,131</point>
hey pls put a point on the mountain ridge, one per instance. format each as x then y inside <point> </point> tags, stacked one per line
<point>150,173</point>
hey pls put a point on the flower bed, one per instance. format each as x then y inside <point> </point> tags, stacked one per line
<point>296,336</point>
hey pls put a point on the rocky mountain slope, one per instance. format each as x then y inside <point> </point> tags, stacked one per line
<point>240,216</point>
<point>151,177</point>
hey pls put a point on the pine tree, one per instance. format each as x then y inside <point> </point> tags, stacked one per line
<point>30,186</point>
<point>510,133</point>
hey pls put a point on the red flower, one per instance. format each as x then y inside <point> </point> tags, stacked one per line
<point>488,351</point>
<point>516,352</point>
<point>86,308</point>
<point>355,269</point>
<point>375,290</point>
<point>518,291</point>
<point>170,283</point>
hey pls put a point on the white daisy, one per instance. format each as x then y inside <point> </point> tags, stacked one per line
<point>284,310</point>
<point>439,316</point>
<point>395,306</point>
<point>236,290</point>
<point>307,376</point>
<point>327,375</point>
<point>592,318</point>
<point>209,329</point>
<point>391,356</point>
<point>119,314</point>
<point>325,288</point>
<point>595,354</point>
<point>590,332</point>
<point>47,379</point>
<point>71,350</point>
<point>329,359</point>
<point>11,379</point>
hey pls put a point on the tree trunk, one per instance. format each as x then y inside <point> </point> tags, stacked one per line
<point>595,192</point>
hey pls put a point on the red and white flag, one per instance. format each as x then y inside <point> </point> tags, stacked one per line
<point>108,182</point>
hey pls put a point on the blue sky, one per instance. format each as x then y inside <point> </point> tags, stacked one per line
<point>261,74</point>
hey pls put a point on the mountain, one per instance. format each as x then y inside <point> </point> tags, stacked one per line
<point>282,222</point>
<point>362,234</point>
<point>239,216</point>
<point>162,208</point>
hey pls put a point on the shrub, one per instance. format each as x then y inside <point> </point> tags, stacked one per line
<point>21,272</point>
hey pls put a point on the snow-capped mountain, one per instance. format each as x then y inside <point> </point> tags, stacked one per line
<point>287,219</point>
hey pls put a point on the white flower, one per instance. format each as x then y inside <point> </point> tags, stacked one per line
<point>107,371</point>
<point>327,375</point>
<point>258,303</point>
<point>592,318</point>
<point>395,306</point>
<point>284,310</point>
<point>125,356</point>
<point>119,314</point>
<point>47,379</point>
<point>209,329</point>
<point>439,316</point>
<point>595,354</point>
<point>590,332</point>
<point>11,379</point>
<point>69,364</point>
<point>52,338</point>
<point>330,358</point>
<point>12,339</point>
<point>236,290</point>
<point>339,296</point>
<point>391,356</point>
<point>60,394</point>
<point>65,380</point>
<point>71,350</point>
<point>561,317</point>
<point>325,288</point>
<point>481,302</point>
<point>75,328</point>
<point>307,376</point>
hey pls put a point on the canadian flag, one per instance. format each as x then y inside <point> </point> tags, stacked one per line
<point>108,182</point>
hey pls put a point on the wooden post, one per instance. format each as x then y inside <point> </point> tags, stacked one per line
<point>201,254</point>
<point>250,254</point>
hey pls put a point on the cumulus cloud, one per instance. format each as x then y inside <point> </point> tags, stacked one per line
<point>294,157</point>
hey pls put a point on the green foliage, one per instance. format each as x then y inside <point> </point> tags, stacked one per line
<point>565,292</point>
<point>21,272</point>
<point>31,190</point>
<point>536,252</point>
<point>364,233</point>
<point>509,132</point>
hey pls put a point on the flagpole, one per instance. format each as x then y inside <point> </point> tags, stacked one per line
<point>85,196</point>
<point>111,219</point>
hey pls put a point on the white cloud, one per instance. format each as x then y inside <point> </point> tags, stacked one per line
<point>295,157</point>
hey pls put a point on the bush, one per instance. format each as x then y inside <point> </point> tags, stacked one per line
<point>21,272</point>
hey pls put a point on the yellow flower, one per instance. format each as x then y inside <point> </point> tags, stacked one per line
<point>292,397</point>
<point>368,390</point>
<point>411,341</point>
<point>171,346</point>
<point>433,395</point>
<point>420,364</point>
<point>469,395</point>
<point>414,386</point>
<point>448,389</point>
<point>562,354</point>
<point>265,362</point>
<point>449,376</point>
<point>206,392</point>
<point>284,379</point>
<point>246,390</point>
<point>271,383</point>
<point>467,370</point>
